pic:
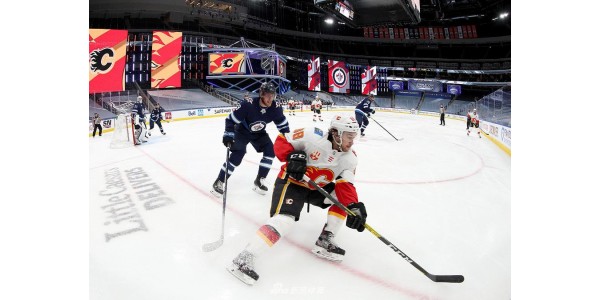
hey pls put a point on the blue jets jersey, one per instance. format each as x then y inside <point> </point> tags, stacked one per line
<point>138,108</point>
<point>155,115</point>
<point>254,119</point>
<point>364,107</point>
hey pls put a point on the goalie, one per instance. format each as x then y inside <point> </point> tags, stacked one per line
<point>139,122</point>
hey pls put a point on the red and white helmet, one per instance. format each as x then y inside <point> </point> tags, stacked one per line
<point>346,123</point>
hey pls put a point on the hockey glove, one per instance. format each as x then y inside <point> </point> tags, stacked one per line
<point>373,111</point>
<point>296,164</point>
<point>360,216</point>
<point>228,140</point>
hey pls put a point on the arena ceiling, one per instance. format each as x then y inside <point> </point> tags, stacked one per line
<point>370,12</point>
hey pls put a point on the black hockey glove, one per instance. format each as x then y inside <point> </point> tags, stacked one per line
<point>228,139</point>
<point>373,111</point>
<point>296,164</point>
<point>358,220</point>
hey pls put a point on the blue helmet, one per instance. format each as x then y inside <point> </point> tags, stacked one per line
<point>268,87</point>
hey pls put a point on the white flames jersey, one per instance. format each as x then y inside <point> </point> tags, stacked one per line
<point>324,165</point>
<point>317,104</point>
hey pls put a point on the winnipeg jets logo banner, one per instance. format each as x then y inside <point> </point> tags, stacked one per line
<point>338,77</point>
<point>107,60</point>
<point>166,53</point>
<point>369,81</point>
<point>226,63</point>
<point>314,74</point>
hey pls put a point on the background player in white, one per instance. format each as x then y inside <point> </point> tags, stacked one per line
<point>292,106</point>
<point>328,159</point>
<point>475,122</point>
<point>316,106</point>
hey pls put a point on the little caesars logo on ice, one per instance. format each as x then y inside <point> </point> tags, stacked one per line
<point>122,208</point>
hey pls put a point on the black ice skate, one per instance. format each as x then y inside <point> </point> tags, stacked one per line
<point>243,268</point>
<point>326,248</point>
<point>161,131</point>
<point>217,189</point>
<point>259,185</point>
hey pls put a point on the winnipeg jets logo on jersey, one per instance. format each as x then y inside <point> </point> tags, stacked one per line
<point>257,126</point>
<point>263,111</point>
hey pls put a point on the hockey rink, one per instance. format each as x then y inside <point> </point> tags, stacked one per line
<point>440,196</point>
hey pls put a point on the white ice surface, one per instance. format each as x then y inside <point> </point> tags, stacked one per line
<point>440,196</point>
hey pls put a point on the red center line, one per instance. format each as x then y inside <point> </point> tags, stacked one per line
<point>342,267</point>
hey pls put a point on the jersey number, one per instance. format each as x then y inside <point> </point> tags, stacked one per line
<point>298,134</point>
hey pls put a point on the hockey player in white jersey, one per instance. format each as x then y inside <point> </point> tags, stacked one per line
<point>139,121</point>
<point>328,159</point>
<point>474,123</point>
<point>316,106</point>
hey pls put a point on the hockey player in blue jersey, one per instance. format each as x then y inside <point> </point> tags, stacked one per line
<point>247,125</point>
<point>156,117</point>
<point>363,111</point>
<point>139,121</point>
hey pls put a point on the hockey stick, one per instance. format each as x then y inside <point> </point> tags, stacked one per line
<point>436,278</point>
<point>385,129</point>
<point>216,244</point>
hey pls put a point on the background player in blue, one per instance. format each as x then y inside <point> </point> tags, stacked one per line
<point>139,119</point>
<point>156,117</point>
<point>247,125</point>
<point>363,111</point>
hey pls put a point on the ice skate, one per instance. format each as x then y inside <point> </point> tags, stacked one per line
<point>217,188</point>
<point>326,248</point>
<point>259,185</point>
<point>243,268</point>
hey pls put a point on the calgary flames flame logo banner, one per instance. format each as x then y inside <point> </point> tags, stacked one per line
<point>166,52</point>
<point>107,60</point>
<point>226,63</point>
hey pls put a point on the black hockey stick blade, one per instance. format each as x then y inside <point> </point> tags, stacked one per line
<point>212,246</point>
<point>447,278</point>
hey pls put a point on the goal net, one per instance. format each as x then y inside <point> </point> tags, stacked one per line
<point>122,136</point>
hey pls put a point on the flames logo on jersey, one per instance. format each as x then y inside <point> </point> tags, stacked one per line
<point>321,176</point>
<point>96,58</point>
